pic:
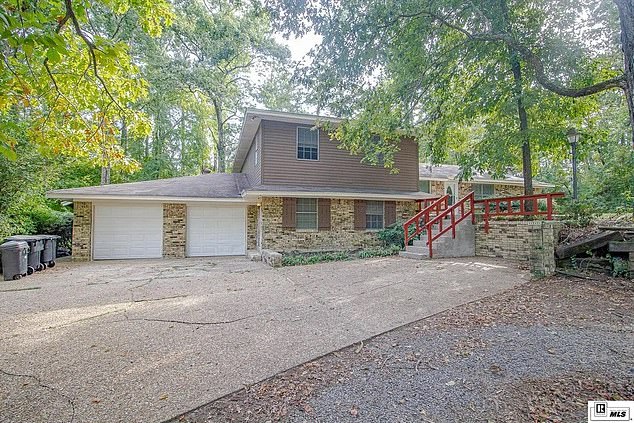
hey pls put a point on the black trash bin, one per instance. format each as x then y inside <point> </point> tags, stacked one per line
<point>14,259</point>
<point>49,253</point>
<point>36,245</point>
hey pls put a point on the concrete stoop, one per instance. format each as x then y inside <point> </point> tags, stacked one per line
<point>463,245</point>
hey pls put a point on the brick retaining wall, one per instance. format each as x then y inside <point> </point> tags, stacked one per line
<point>532,241</point>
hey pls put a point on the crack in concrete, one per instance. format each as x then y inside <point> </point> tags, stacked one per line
<point>21,289</point>
<point>70,400</point>
<point>184,322</point>
<point>159,299</point>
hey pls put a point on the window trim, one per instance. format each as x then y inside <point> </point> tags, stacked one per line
<point>428,185</point>
<point>476,196</point>
<point>382,215</point>
<point>316,228</point>
<point>310,128</point>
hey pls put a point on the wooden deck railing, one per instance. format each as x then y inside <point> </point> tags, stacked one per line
<point>520,205</point>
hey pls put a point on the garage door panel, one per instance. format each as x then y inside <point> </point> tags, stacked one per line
<point>128,231</point>
<point>216,230</point>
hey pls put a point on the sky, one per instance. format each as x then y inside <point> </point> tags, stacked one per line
<point>299,47</point>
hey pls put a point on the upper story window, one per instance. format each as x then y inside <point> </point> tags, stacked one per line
<point>374,212</point>
<point>482,191</point>
<point>424,186</point>
<point>307,143</point>
<point>306,213</point>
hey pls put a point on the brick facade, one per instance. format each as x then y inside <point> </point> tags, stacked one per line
<point>252,227</point>
<point>174,230</point>
<point>532,241</point>
<point>82,231</point>
<point>341,235</point>
<point>500,190</point>
<point>437,188</point>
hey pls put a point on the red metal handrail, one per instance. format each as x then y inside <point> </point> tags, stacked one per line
<point>426,202</point>
<point>528,205</point>
<point>422,217</point>
<point>451,211</point>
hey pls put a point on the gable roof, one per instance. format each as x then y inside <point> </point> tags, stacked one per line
<point>444,172</point>
<point>251,123</point>
<point>207,186</point>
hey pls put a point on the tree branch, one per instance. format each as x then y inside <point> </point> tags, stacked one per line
<point>535,62</point>
<point>91,51</point>
<point>527,54</point>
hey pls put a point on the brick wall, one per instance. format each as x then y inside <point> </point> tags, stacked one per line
<point>502,190</point>
<point>341,236</point>
<point>437,188</point>
<point>82,230</point>
<point>532,241</point>
<point>406,209</point>
<point>252,227</point>
<point>174,230</point>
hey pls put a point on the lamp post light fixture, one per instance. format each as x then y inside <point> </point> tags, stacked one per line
<point>573,139</point>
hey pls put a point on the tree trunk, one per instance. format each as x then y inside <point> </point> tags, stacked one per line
<point>220,147</point>
<point>518,91</point>
<point>124,135</point>
<point>527,169</point>
<point>626,16</point>
<point>105,175</point>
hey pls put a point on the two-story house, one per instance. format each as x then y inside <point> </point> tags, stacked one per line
<point>291,189</point>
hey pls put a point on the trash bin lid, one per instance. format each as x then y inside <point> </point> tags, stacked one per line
<point>14,245</point>
<point>27,238</point>
<point>48,236</point>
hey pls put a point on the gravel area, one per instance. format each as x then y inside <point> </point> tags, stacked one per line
<point>538,352</point>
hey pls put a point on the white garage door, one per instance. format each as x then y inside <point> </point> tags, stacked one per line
<point>216,230</point>
<point>128,231</point>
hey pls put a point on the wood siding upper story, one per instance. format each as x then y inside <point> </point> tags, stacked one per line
<point>253,171</point>
<point>335,167</point>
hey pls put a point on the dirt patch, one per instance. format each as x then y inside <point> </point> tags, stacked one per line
<point>536,353</point>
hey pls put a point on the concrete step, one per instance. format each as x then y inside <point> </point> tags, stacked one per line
<point>463,245</point>
<point>415,256</point>
<point>417,249</point>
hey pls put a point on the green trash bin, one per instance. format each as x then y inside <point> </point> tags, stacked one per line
<point>36,245</point>
<point>49,253</point>
<point>14,259</point>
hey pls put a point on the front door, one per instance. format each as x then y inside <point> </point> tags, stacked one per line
<point>451,189</point>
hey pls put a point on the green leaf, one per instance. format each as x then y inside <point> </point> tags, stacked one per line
<point>53,55</point>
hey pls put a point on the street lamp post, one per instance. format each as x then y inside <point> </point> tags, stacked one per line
<point>573,139</point>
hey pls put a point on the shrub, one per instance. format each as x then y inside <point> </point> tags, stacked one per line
<point>578,213</point>
<point>390,250</point>
<point>394,234</point>
<point>313,258</point>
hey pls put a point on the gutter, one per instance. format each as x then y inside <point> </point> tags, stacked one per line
<point>253,195</point>
<point>162,199</point>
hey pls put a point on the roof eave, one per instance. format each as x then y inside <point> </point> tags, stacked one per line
<point>253,194</point>
<point>157,198</point>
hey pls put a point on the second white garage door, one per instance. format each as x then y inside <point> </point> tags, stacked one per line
<point>216,230</point>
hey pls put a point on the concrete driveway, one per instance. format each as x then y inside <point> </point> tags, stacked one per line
<point>142,341</point>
